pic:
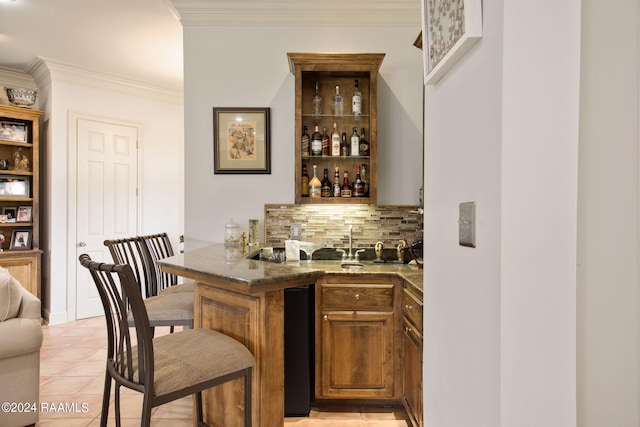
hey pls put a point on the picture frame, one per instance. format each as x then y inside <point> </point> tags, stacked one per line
<point>20,240</point>
<point>24,214</point>
<point>241,140</point>
<point>12,186</point>
<point>449,29</point>
<point>13,131</point>
<point>10,212</point>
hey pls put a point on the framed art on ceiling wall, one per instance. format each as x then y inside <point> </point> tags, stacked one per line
<point>449,29</point>
<point>241,141</point>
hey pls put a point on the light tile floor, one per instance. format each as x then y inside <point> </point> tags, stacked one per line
<point>72,374</point>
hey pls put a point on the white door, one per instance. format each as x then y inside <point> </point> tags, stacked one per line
<point>107,160</point>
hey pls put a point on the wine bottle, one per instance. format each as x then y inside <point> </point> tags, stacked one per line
<point>315,186</point>
<point>344,145</point>
<point>364,145</point>
<point>355,143</point>
<point>316,143</point>
<point>358,185</point>
<point>327,188</point>
<point>304,190</point>
<point>335,141</point>
<point>345,191</point>
<point>316,102</point>
<point>338,106</point>
<point>337,187</point>
<point>306,144</point>
<point>325,143</point>
<point>356,101</point>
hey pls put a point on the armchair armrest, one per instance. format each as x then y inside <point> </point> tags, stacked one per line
<point>30,307</point>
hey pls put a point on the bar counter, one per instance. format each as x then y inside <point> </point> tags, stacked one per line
<point>244,298</point>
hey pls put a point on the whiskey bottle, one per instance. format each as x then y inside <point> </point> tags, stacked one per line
<point>338,106</point>
<point>335,141</point>
<point>315,186</point>
<point>337,187</point>
<point>316,143</point>
<point>358,185</point>
<point>364,145</point>
<point>363,175</point>
<point>326,149</point>
<point>316,102</point>
<point>344,146</point>
<point>345,191</point>
<point>355,143</point>
<point>306,143</point>
<point>304,190</point>
<point>327,188</point>
<point>356,101</point>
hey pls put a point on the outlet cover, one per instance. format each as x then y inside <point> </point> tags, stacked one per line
<point>467,225</point>
<point>296,231</point>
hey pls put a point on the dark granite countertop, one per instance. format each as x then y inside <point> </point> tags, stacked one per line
<point>211,261</point>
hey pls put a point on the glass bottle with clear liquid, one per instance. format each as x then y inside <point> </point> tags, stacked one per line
<point>338,103</point>
<point>316,102</point>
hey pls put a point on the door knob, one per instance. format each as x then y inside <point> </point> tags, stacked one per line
<point>82,244</point>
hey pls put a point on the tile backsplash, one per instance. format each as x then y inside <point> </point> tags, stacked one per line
<point>330,224</point>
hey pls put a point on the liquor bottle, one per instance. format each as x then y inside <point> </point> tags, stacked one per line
<point>337,187</point>
<point>345,191</point>
<point>306,143</point>
<point>315,186</point>
<point>344,145</point>
<point>355,143</point>
<point>327,188</point>
<point>364,145</point>
<point>335,141</point>
<point>363,175</point>
<point>338,106</point>
<point>358,185</point>
<point>356,101</point>
<point>316,102</point>
<point>316,143</point>
<point>304,190</point>
<point>325,143</point>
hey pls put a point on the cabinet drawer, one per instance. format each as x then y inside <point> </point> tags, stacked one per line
<point>412,308</point>
<point>357,297</point>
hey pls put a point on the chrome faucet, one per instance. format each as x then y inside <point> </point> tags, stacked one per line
<point>350,256</point>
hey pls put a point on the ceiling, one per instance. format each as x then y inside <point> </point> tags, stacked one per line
<point>141,40</point>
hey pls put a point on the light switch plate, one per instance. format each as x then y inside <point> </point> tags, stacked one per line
<point>296,231</point>
<point>467,225</point>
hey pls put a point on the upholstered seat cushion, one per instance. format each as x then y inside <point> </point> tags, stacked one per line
<point>194,356</point>
<point>176,289</point>
<point>172,307</point>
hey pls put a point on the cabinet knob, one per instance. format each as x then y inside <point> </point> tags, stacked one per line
<point>325,317</point>
<point>357,296</point>
<point>407,329</point>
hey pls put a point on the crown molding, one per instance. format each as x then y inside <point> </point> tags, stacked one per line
<point>46,70</point>
<point>359,13</point>
<point>16,78</point>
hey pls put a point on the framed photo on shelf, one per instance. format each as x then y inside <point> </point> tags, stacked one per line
<point>241,141</point>
<point>24,214</point>
<point>449,29</point>
<point>10,213</point>
<point>13,131</point>
<point>14,186</point>
<point>20,240</point>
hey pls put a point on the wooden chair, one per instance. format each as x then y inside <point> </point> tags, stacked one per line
<point>172,309</point>
<point>165,368</point>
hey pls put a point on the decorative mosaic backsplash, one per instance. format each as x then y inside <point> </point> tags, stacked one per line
<point>330,224</point>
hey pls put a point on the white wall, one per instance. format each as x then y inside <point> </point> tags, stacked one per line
<point>502,130</point>
<point>162,175</point>
<point>608,216</point>
<point>246,66</point>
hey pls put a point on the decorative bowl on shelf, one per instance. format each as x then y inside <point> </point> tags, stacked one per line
<point>21,97</point>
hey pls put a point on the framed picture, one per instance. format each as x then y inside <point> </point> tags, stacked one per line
<point>24,214</point>
<point>10,213</point>
<point>241,141</point>
<point>20,240</point>
<point>14,186</point>
<point>449,29</point>
<point>13,131</point>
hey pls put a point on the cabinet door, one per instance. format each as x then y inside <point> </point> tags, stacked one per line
<point>25,269</point>
<point>356,355</point>
<point>412,373</point>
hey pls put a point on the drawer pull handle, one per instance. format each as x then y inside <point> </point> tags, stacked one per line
<point>407,329</point>
<point>408,307</point>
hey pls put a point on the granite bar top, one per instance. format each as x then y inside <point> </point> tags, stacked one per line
<point>211,261</point>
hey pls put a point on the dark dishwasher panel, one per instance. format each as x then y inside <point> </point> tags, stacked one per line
<point>299,350</point>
